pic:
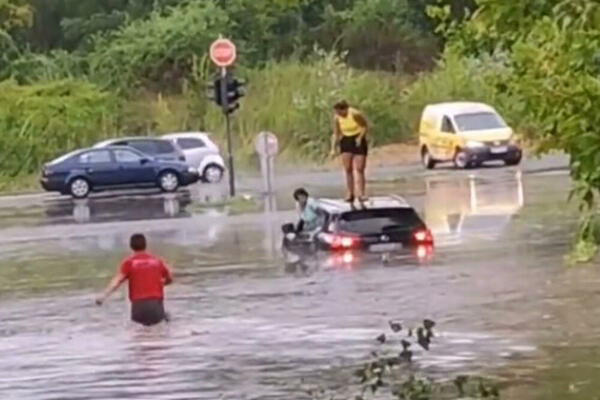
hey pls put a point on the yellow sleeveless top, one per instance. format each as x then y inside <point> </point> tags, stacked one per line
<point>348,125</point>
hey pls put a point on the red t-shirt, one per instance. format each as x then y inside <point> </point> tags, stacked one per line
<point>146,275</point>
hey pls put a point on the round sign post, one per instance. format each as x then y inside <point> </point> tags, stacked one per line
<point>223,52</point>
<point>267,147</point>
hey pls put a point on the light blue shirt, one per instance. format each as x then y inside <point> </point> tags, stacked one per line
<point>309,215</point>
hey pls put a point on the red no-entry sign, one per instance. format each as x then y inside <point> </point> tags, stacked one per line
<point>223,53</point>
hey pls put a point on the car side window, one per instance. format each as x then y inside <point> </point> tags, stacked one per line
<point>145,146</point>
<point>126,156</point>
<point>95,157</point>
<point>190,143</point>
<point>447,125</point>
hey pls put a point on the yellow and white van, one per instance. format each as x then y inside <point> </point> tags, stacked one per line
<point>466,133</point>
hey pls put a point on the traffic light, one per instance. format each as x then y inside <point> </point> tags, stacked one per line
<point>213,91</point>
<point>235,91</point>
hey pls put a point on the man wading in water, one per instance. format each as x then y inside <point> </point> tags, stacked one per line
<point>349,138</point>
<point>147,276</point>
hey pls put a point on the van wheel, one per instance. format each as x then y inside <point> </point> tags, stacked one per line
<point>79,188</point>
<point>426,159</point>
<point>512,161</point>
<point>461,160</point>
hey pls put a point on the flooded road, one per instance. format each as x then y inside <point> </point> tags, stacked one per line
<point>245,328</point>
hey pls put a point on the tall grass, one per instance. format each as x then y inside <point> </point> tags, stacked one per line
<point>294,100</point>
<point>41,121</point>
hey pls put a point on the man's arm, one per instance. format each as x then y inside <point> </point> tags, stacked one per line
<point>114,284</point>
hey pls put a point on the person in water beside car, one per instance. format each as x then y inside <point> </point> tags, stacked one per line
<point>147,275</point>
<point>309,219</point>
<point>349,138</point>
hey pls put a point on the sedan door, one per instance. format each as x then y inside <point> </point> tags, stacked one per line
<point>98,166</point>
<point>133,167</point>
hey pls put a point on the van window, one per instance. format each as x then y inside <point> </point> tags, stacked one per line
<point>479,121</point>
<point>447,125</point>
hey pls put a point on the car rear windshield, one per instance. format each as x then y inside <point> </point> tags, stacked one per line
<point>153,146</point>
<point>479,121</point>
<point>379,220</point>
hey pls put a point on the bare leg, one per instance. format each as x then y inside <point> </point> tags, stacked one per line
<point>347,162</point>
<point>360,163</point>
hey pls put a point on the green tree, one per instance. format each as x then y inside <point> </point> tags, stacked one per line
<point>552,48</point>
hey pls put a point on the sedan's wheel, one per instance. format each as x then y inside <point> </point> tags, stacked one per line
<point>212,173</point>
<point>461,160</point>
<point>428,161</point>
<point>79,188</point>
<point>168,181</point>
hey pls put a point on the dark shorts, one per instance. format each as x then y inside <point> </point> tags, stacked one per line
<point>148,312</point>
<point>348,145</point>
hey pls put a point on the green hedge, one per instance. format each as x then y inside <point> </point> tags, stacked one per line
<point>41,121</point>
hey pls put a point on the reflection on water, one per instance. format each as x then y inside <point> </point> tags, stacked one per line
<point>243,328</point>
<point>471,205</point>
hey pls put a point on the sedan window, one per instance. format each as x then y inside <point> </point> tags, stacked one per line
<point>126,156</point>
<point>95,157</point>
<point>190,143</point>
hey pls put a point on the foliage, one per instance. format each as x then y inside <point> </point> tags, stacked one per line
<point>41,121</point>
<point>552,51</point>
<point>294,100</point>
<point>159,51</point>
<point>15,14</point>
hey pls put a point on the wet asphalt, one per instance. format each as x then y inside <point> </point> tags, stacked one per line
<point>245,327</point>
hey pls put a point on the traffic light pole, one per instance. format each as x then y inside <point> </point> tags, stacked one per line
<point>225,105</point>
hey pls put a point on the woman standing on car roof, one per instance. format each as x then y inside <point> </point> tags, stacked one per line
<point>349,138</point>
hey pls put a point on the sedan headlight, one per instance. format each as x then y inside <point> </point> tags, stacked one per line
<point>474,144</point>
<point>192,170</point>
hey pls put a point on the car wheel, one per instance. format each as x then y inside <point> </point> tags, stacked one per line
<point>461,160</point>
<point>213,173</point>
<point>512,161</point>
<point>168,181</point>
<point>428,161</point>
<point>79,188</point>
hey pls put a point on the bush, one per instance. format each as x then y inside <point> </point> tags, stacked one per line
<point>460,78</point>
<point>158,51</point>
<point>39,122</point>
<point>294,100</point>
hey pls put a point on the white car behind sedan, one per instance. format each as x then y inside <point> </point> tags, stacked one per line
<point>201,153</point>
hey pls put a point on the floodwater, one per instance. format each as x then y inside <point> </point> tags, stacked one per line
<point>244,327</point>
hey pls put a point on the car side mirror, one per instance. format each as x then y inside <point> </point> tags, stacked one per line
<point>287,228</point>
<point>144,161</point>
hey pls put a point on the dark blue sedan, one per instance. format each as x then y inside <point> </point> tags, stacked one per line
<point>114,167</point>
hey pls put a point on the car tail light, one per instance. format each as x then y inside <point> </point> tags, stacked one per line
<point>423,236</point>
<point>344,242</point>
<point>424,252</point>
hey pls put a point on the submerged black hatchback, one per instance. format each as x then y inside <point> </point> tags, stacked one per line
<point>382,226</point>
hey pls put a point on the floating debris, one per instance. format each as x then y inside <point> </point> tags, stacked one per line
<point>396,326</point>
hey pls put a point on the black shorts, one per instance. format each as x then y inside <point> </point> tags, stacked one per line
<point>148,312</point>
<point>348,145</point>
